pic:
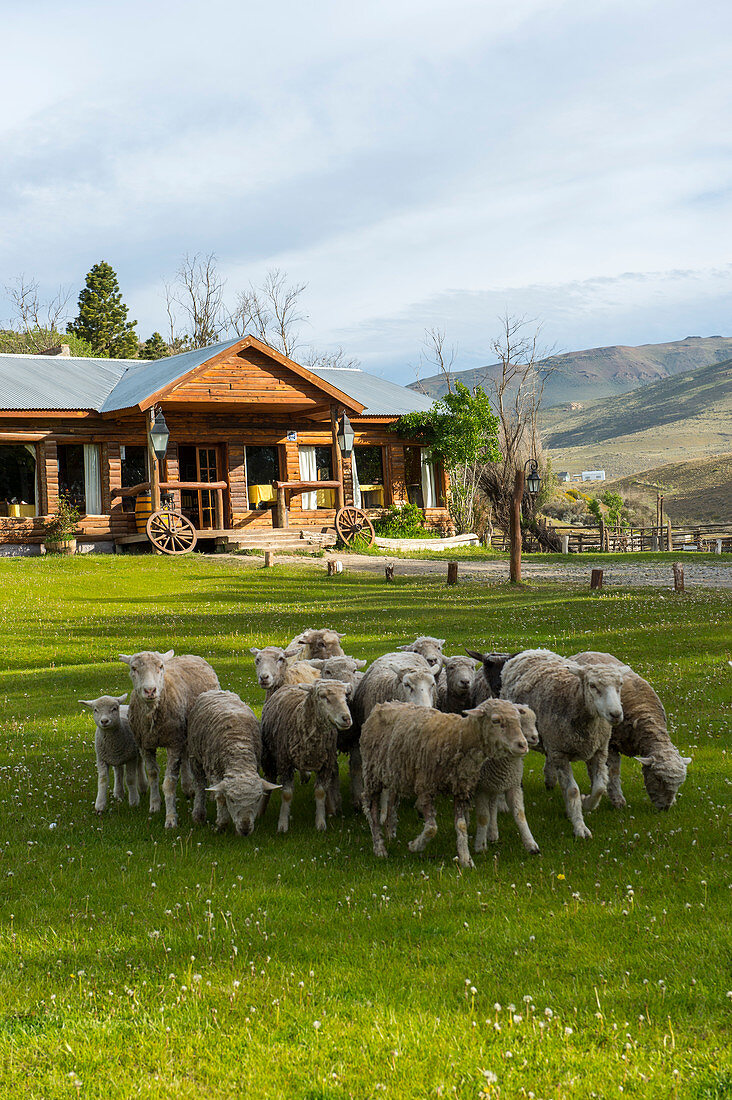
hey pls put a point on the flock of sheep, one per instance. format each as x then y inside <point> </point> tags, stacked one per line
<point>415,724</point>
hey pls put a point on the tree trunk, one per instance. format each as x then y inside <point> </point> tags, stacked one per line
<point>518,493</point>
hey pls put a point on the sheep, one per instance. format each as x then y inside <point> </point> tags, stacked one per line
<point>409,750</point>
<point>347,670</point>
<point>299,730</point>
<point>501,779</point>
<point>455,684</point>
<point>643,733</point>
<point>429,648</point>
<point>164,688</point>
<point>394,677</point>
<point>574,708</point>
<point>315,643</point>
<point>487,681</point>
<point>224,749</point>
<point>115,748</point>
<point>274,670</point>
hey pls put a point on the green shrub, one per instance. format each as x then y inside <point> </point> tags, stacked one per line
<point>402,521</point>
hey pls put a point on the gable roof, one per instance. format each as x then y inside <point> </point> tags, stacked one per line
<point>112,385</point>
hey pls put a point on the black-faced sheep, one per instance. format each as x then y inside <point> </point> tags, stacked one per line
<point>487,681</point>
<point>501,779</point>
<point>225,749</point>
<point>299,731</point>
<point>115,748</point>
<point>409,750</point>
<point>164,688</point>
<point>574,708</point>
<point>643,733</point>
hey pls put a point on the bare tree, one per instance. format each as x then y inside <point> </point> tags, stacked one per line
<point>334,359</point>
<point>37,323</point>
<point>271,312</point>
<point>436,356</point>
<point>199,291</point>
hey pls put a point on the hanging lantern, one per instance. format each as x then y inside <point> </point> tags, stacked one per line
<point>345,436</point>
<point>159,435</point>
<point>533,478</point>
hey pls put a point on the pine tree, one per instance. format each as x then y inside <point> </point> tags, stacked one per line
<point>102,316</point>
<point>154,347</point>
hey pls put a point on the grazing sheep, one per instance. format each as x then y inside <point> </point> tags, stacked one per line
<point>501,779</point>
<point>299,730</point>
<point>115,748</point>
<point>429,648</point>
<point>643,733</point>
<point>574,708</point>
<point>409,750</point>
<point>224,749</point>
<point>164,688</point>
<point>315,643</point>
<point>455,684</point>
<point>487,681</point>
<point>274,669</point>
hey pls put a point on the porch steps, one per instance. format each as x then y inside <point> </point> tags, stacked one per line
<point>284,540</point>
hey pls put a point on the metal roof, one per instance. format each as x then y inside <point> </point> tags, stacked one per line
<point>380,396</point>
<point>57,382</point>
<point>146,377</point>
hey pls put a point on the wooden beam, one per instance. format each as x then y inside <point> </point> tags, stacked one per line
<point>153,463</point>
<point>518,495</point>
<point>340,491</point>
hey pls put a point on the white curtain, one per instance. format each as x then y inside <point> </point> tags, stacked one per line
<point>429,496</point>
<point>356,482</point>
<point>31,449</point>
<point>92,480</point>
<point>308,472</point>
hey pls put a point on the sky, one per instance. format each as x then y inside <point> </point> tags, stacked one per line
<point>416,163</point>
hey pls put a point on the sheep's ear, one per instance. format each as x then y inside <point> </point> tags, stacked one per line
<point>349,691</point>
<point>87,702</point>
<point>253,649</point>
<point>267,786</point>
<point>218,789</point>
<point>122,698</point>
<point>645,760</point>
<point>124,657</point>
<point>474,654</point>
<point>168,655</point>
<point>402,647</point>
<point>316,662</point>
<point>440,641</point>
<point>359,664</point>
<point>686,760</point>
<point>340,635</point>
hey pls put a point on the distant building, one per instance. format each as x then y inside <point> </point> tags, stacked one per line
<point>564,476</point>
<point>593,475</point>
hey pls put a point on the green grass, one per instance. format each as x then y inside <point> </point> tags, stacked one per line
<point>140,962</point>
<point>480,553</point>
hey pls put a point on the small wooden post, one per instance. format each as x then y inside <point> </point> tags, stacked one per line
<point>268,559</point>
<point>340,496</point>
<point>596,579</point>
<point>719,547</point>
<point>389,570</point>
<point>669,536</point>
<point>281,508</point>
<point>452,572</point>
<point>603,534</point>
<point>220,509</point>
<point>335,565</point>
<point>565,544</point>
<point>678,577</point>
<point>153,463</point>
<point>515,528</point>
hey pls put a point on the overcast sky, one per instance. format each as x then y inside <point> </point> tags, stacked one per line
<point>416,162</point>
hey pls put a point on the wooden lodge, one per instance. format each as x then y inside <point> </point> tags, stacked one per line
<point>248,421</point>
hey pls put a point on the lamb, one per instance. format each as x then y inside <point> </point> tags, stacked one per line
<point>455,684</point>
<point>643,733</point>
<point>274,670</point>
<point>115,748</point>
<point>299,730</point>
<point>501,779</point>
<point>347,670</point>
<point>225,749</point>
<point>429,648</point>
<point>408,750</point>
<point>315,643</point>
<point>487,682</point>
<point>574,707</point>
<point>164,688</point>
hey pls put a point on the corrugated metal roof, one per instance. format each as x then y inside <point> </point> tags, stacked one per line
<point>147,377</point>
<point>57,382</point>
<point>380,396</point>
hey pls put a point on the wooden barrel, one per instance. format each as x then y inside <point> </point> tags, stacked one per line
<point>143,511</point>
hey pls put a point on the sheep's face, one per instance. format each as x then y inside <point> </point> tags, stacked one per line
<point>342,668</point>
<point>331,698</point>
<point>430,649</point>
<point>499,723</point>
<point>601,687</point>
<point>527,719</point>
<point>322,644</point>
<point>105,710</point>
<point>243,800</point>
<point>419,688</point>
<point>147,671</point>
<point>269,664</point>
<point>663,777</point>
<point>459,672</point>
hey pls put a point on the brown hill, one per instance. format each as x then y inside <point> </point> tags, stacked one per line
<point>694,492</point>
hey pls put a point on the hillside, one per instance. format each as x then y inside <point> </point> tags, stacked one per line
<point>676,420</point>
<point>695,492</point>
<point>605,372</point>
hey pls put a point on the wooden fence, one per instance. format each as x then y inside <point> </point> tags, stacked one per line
<point>710,537</point>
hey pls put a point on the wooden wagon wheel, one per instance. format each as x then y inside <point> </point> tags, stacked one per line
<point>170,532</point>
<point>352,522</point>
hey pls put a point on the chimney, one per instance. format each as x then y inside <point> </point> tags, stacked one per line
<point>61,351</point>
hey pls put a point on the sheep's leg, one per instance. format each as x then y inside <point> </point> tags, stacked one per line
<point>170,783</point>
<point>355,769</point>
<point>186,776</point>
<point>321,789</point>
<point>151,767</point>
<point>133,794</point>
<point>199,798</point>
<point>482,811</point>
<point>333,799</point>
<point>550,775</point>
<point>597,767</point>
<point>372,809</point>
<point>283,823</point>
<point>102,786</point>
<point>614,790</point>
<point>572,799</point>
<point>502,806</point>
<point>119,785</point>
<point>389,807</point>
<point>515,799</point>
<point>223,817</point>
<point>462,820</point>
<point>141,775</point>
<point>427,808</point>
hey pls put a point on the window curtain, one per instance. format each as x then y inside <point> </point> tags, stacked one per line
<point>356,482</point>
<point>31,449</point>
<point>308,472</point>
<point>429,495</point>
<point>92,480</point>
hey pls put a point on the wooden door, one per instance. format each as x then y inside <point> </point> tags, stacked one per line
<point>199,505</point>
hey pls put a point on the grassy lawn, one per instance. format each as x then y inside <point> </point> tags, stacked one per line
<point>140,962</point>
<point>480,553</point>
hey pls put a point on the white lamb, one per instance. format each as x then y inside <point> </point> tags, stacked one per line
<point>501,779</point>
<point>274,669</point>
<point>115,748</point>
<point>429,648</point>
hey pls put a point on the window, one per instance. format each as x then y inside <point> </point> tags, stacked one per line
<point>263,468</point>
<point>413,475</point>
<point>316,464</point>
<point>18,480</point>
<point>368,466</point>
<point>79,476</point>
<point>134,471</point>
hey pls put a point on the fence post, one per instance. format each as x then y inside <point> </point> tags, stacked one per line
<point>565,544</point>
<point>268,559</point>
<point>669,536</point>
<point>335,565</point>
<point>596,579</point>
<point>452,572</point>
<point>678,577</point>
<point>389,572</point>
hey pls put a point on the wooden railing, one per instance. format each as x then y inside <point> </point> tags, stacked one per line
<point>174,486</point>
<point>712,537</point>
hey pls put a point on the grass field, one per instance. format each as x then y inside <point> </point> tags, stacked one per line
<point>140,962</point>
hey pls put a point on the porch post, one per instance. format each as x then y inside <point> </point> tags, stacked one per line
<point>153,464</point>
<point>340,495</point>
